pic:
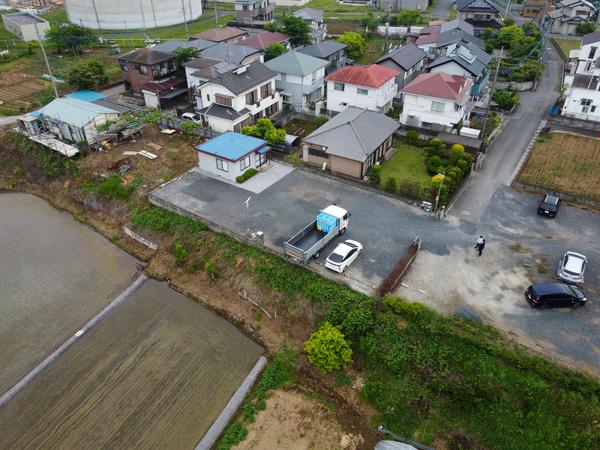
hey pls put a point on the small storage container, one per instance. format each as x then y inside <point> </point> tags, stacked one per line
<point>325,222</point>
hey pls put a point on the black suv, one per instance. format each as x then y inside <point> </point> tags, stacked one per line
<point>550,295</point>
<point>549,205</point>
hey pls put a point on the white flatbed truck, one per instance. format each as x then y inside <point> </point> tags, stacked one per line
<point>307,243</point>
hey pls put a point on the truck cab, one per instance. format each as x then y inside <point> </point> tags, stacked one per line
<point>342,216</point>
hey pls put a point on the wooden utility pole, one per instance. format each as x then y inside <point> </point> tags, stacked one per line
<point>542,45</point>
<point>52,80</point>
<point>487,108</point>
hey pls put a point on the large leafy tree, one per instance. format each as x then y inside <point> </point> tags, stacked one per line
<point>183,55</point>
<point>87,74</point>
<point>297,29</point>
<point>274,50</point>
<point>69,35</point>
<point>265,129</point>
<point>355,42</point>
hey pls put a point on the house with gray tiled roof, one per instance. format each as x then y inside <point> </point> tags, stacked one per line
<point>233,53</point>
<point>238,98</point>
<point>481,14</point>
<point>409,60</point>
<point>467,60</point>
<point>352,142</point>
<point>314,18</point>
<point>332,51</point>
<point>300,78</point>
<point>568,14</point>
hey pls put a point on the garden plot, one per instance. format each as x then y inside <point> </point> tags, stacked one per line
<point>565,163</point>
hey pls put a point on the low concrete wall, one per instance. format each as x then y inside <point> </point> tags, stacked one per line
<point>517,86</point>
<point>218,426</point>
<point>568,197</point>
<point>139,238</point>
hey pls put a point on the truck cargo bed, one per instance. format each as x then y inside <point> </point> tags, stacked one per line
<point>310,239</point>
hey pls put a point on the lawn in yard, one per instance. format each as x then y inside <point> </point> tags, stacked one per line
<point>565,163</point>
<point>300,127</point>
<point>408,164</point>
<point>566,45</point>
<point>375,50</point>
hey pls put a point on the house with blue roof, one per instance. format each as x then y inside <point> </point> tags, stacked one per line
<point>231,154</point>
<point>71,119</point>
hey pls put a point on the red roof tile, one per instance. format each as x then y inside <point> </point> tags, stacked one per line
<point>262,40</point>
<point>372,76</point>
<point>429,35</point>
<point>439,85</point>
<point>220,34</point>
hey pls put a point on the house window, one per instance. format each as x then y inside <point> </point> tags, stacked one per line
<point>586,101</point>
<point>588,66</point>
<point>438,106</point>
<point>592,52</point>
<point>208,97</point>
<point>317,152</point>
<point>144,70</point>
<point>124,67</point>
<point>338,86</point>
<point>222,100</point>
<point>251,97</point>
<point>360,91</point>
<point>265,90</point>
<point>222,165</point>
<point>593,109</point>
<point>245,163</point>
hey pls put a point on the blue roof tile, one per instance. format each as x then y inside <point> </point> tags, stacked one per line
<point>231,145</point>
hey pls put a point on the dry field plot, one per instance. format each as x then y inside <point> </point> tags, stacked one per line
<point>154,374</point>
<point>565,163</point>
<point>55,275</point>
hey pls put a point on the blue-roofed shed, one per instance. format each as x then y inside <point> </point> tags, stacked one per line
<point>86,96</point>
<point>231,154</point>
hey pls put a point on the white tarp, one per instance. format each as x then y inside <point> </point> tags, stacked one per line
<point>56,145</point>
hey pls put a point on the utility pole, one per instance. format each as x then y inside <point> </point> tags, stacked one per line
<point>437,197</point>
<point>216,15</point>
<point>542,45</point>
<point>487,108</point>
<point>187,32</point>
<point>52,80</point>
<point>507,9</point>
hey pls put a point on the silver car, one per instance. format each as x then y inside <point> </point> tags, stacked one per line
<point>571,267</point>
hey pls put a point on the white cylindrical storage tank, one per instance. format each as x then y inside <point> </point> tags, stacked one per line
<point>131,14</point>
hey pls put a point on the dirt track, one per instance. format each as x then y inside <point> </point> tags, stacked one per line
<point>154,374</point>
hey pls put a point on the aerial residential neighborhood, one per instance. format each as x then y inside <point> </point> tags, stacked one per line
<point>324,224</point>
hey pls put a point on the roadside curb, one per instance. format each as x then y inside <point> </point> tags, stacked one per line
<point>526,154</point>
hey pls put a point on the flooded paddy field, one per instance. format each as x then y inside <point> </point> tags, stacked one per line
<point>155,373</point>
<point>55,274</point>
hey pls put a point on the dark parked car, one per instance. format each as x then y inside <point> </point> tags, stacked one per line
<point>549,205</point>
<point>549,295</point>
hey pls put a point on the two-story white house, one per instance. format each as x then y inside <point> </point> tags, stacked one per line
<point>371,87</point>
<point>583,81</point>
<point>568,14</point>
<point>436,101</point>
<point>300,78</point>
<point>238,98</point>
<point>314,18</point>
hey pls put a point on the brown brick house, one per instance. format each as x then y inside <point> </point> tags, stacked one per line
<point>144,65</point>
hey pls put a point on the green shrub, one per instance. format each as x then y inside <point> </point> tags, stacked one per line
<point>180,254</point>
<point>375,175</point>
<point>327,348</point>
<point>391,185</point>
<point>235,433</point>
<point>412,137</point>
<point>410,188</point>
<point>113,188</point>
<point>321,120</point>
<point>210,269</point>
<point>162,220</point>
<point>247,174</point>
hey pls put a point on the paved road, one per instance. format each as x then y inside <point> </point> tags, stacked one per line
<point>442,10</point>
<point>506,151</point>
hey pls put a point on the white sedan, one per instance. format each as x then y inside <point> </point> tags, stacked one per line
<point>571,268</point>
<point>343,255</point>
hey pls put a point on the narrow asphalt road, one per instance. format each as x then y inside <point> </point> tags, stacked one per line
<point>506,151</point>
<point>443,8</point>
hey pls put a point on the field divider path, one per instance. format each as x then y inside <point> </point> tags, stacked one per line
<point>8,395</point>
<point>218,426</point>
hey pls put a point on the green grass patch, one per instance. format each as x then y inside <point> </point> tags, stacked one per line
<point>113,187</point>
<point>408,164</point>
<point>161,220</point>
<point>566,45</point>
<point>334,6</point>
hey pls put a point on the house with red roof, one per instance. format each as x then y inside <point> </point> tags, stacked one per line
<point>262,40</point>
<point>436,100</point>
<point>371,87</point>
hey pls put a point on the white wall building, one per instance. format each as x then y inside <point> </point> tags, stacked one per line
<point>371,87</point>
<point>238,98</point>
<point>28,27</point>
<point>435,101</point>
<point>583,86</point>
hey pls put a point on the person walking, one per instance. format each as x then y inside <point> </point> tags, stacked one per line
<point>480,245</point>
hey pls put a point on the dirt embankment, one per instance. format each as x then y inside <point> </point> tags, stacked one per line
<point>268,317</point>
